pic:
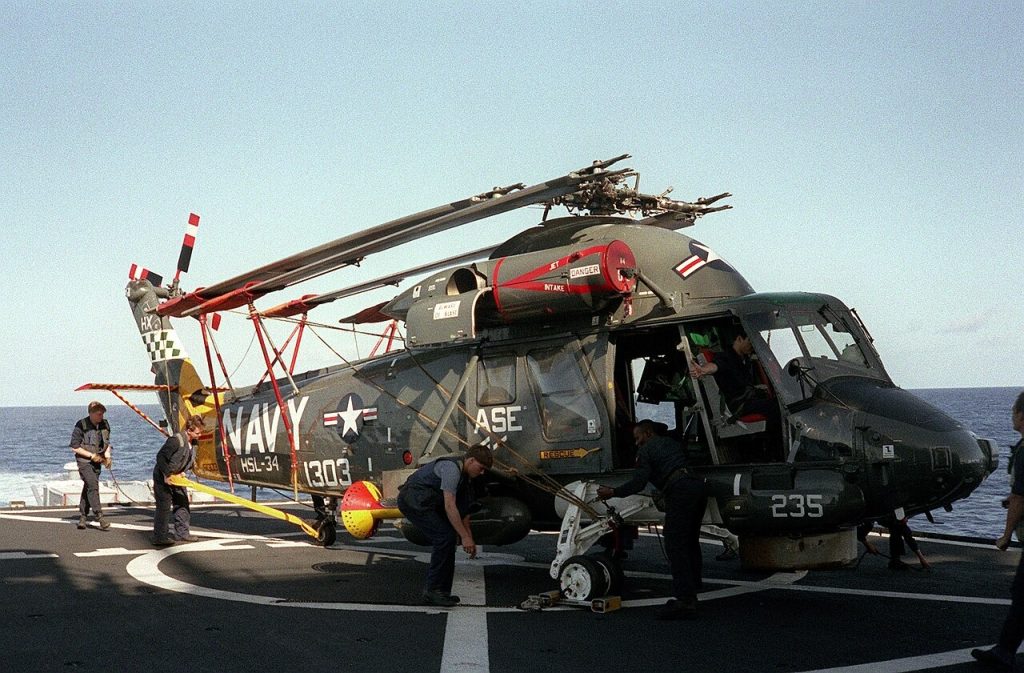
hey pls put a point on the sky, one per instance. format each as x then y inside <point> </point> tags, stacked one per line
<point>874,151</point>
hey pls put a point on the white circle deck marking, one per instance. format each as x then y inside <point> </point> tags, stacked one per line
<point>146,569</point>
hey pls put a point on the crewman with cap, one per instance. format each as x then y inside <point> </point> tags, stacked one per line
<point>436,499</point>
<point>90,442</point>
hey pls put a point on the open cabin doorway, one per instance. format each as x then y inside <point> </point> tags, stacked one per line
<point>652,381</point>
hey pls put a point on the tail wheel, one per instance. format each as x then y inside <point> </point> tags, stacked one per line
<point>582,578</point>
<point>326,532</point>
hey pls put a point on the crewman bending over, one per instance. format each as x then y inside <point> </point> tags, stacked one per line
<point>175,457</point>
<point>661,461</point>
<point>436,499</point>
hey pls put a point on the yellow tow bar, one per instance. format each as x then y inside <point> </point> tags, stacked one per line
<point>179,480</point>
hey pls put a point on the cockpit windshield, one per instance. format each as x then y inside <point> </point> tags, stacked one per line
<point>806,344</point>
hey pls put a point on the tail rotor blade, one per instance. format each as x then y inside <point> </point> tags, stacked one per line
<point>145,274</point>
<point>189,242</point>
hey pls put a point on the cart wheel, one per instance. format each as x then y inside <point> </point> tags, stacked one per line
<point>582,579</point>
<point>613,570</point>
<point>326,532</point>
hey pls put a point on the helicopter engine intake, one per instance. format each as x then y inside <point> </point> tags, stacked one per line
<point>561,281</point>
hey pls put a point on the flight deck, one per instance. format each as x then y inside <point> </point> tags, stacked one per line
<point>255,594</point>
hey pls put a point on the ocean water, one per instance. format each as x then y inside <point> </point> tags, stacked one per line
<point>986,412</point>
<point>34,448</point>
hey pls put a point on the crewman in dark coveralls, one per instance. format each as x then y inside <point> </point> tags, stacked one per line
<point>660,461</point>
<point>90,442</point>
<point>175,457</point>
<point>1001,657</point>
<point>436,499</point>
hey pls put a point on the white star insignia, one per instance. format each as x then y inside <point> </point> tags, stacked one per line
<point>349,417</point>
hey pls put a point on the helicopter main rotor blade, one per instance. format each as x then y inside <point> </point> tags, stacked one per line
<point>307,302</point>
<point>351,249</point>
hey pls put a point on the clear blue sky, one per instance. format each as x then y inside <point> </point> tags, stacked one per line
<point>874,151</point>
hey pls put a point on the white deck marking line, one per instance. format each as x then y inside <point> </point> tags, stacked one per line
<point>44,519</point>
<point>918,663</point>
<point>466,646</point>
<point>145,569</point>
<point>136,526</point>
<point>772,582</point>
<point>111,551</point>
<point>760,586</point>
<point>19,555</point>
<point>947,598</point>
<point>469,584</point>
<point>755,586</point>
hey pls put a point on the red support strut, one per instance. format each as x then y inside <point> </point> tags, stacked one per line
<point>216,401</point>
<point>298,342</point>
<point>389,334</point>
<point>141,413</point>
<point>255,317</point>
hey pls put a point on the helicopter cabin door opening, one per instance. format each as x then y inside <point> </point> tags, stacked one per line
<point>737,418</point>
<point>650,382</point>
<point>653,381</point>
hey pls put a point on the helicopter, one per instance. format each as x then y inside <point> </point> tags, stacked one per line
<point>548,348</point>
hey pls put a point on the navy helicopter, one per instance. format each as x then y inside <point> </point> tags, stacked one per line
<point>548,348</point>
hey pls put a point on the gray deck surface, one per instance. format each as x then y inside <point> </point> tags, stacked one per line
<point>254,595</point>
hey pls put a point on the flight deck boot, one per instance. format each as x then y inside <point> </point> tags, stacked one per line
<point>104,524</point>
<point>82,522</point>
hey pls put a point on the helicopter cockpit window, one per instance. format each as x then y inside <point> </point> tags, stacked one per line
<point>782,342</point>
<point>849,349</point>
<point>496,380</point>
<point>827,338</point>
<point>567,407</point>
<point>817,345</point>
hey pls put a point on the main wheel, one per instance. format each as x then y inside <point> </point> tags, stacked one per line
<point>612,569</point>
<point>326,532</point>
<point>582,578</point>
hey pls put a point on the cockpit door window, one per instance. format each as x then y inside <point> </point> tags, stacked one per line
<point>496,380</point>
<point>566,401</point>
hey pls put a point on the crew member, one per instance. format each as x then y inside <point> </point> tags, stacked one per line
<point>1001,657</point>
<point>661,461</point>
<point>901,537</point>
<point>90,442</point>
<point>176,456</point>
<point>436,499</point>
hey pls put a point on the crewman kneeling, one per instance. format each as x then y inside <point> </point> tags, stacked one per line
<point>436,499</point>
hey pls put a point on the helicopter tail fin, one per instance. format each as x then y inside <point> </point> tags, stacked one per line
<point>181,391</point>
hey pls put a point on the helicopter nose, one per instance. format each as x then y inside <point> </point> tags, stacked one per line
<point>917,455</point>
<point>972,461</point>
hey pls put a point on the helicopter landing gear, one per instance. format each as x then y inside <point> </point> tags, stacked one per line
<point>584,578</point>
<point>612,570</point>
<point>593,580</point>
<point>327,531</point>
<point>574,539</point>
